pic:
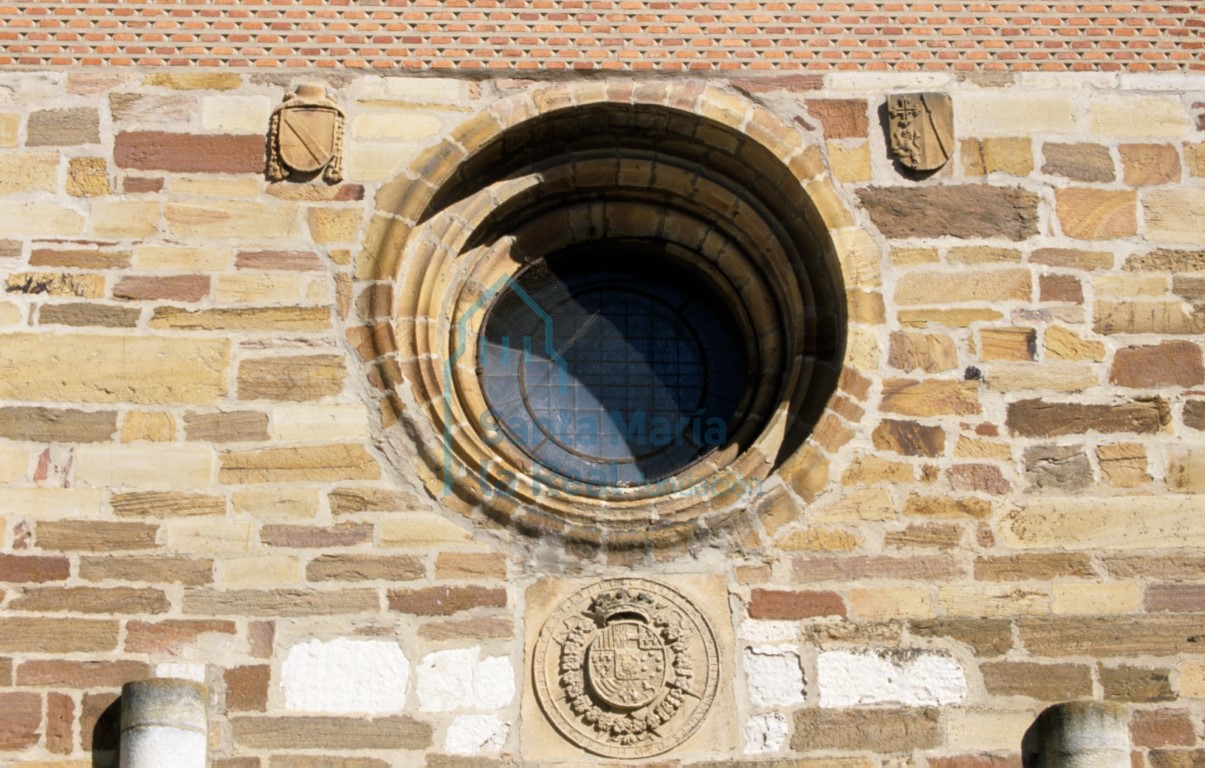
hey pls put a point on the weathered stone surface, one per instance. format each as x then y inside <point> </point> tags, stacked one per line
<point>84,315</point>
<point>1175,598</point>
<point>1186,469</point>
<point>1162,728</point>
<point>815,569</point>
<point>1064,288</point>
<point>445,601</point>
<point>979,478</point>
<point>188,153</point>
<point>1147,164</point>
<point>840,118</point>
<point>1072,258</point>
<point>80,674</point>
<point>1162,317</point>
<point>1174,215</point>
<point>1123,522</point>
<point>226,426</point>
<point>17,569</point>
<point>172,635</point>
<point>88,177</point>
<point>107,369</point>
<point>147,569</point>
<point>929,536</point>
<point>1036,567</point>
<point>965,211</point>
<point>305,261</point>
<point>1078,162</point>
<point>52,425</point>
<point>1194,414</point>
<point>986,637</point>
<point>1045,682</point>
<point>932,397</point>
<point>92,535</point>
<point>28,172</point>
<point>1170,364</point>
<point>988,285</point>
<point>63,127</point>
<point>1136,684</point>
<point>341,733</point>
<point>476,629</point>
<point>153,426</point>
<point>309,463</point>
<point>1039,418</point>
<point>1008,154</point>
<point>331,761</point>
<point>878,730</point>
<point>173,288</point>
<point>20,718</point>
<point>1057,467</point>
<point>1095,599</point>
<point>470,565</point>
<point>1167,260</point>
<point>1177,758</point>
<point>227,219</point>
<point>1123,465</point>
<point>1007,344</point>
<point>56,284</point>
<point>279,602</point>
<point>947,507</point>
<point>291,377</point>
<point>817,540</point>
<point>167,504</point>
<point>1064,344</point>
<point>112,600</point>
<point>1097,214</point>
<point>365,568</point>
<point>909,438</point>
<point>57,635</point>
<point>930,352</point>
<point>315,537</point>
<point>950,318</point>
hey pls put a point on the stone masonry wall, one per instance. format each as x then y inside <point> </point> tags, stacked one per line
<point>1003,507</point>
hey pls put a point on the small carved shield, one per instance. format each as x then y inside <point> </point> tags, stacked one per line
<point>921,127</point>
<point>306,135</point>
<point>626,665</point>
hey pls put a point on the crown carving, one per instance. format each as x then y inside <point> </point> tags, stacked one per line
<point>621,601</point>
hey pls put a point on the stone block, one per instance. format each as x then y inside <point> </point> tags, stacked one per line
<point>39,219</point>
<point>1061,288</point>
<point>86,286</point>
<point>947,507</point>
<point>408,126</point>
<point>1097,214</point>
<point>194,81</point>
<point>259,571</point>
<point>1045,682</point>
<point>1144,316</point>
<point>925,536</point>
<point>1123,465</point>
<point>470,565</point>
<point>20,720</point>
<point>85,315</point>
<point>942,288</point>
<point>148,569</point>
<point>33,569</point>
<point>1149,164</point>
<point>1115,115</point>
<point>335,225</point>
<point>983,254</point>
<point>295,319</point>
<point>888,603</point>
<point>315,537</point>
<point>10,129</point>
<point>1124,522</point>
<point>338,733</point>
<point>175,258</point>
<point>1167,260</point>
<point>226,426</point>
<point>1033,567</point>
<point>235,114</point>
<point>849,164</point>
<point>151,466</point>
<point>88,177</point>
<point>1174,215</point>
<point>931,397</point>
<point>1010,155</point>
<point>964,211</point>
<point>790,605</point>
<point>106,369</point>
<point>460,679</point>
<point>166,504</point>
<point>258,288</point>
<point>349,500</point>
<point>1007,343</point>
<point>993,601</point>
<point>1130,286</point>
<point>1079,162</point>
<point>28,172</point>
<point>1057,468</point>
<point>353,567</point>
<point>147,425</point>
<point>1162,728</point>
<point>259,603</point>
<point>51,425</point>
<point>57,635</point>
<point>303,261</point>
<point>909,438</point>
<point>51,502</point>
<point>929,352</point>
<point>291,377</point>
<point>989,111</point>
<point>189,153</point>
<point>230,219</point>
<point>315,463</point>
<point>1136,684</point>
<point>986,637</point>
<point>335,422</point>
<point>346,676</point>
<point>1170,364</point>
<point>189,288</point>
<point>1186,469</point>
<point>62,127</point>
<point>445,601</point>
<point>1095,599</point>
<point>875,730</point>
<point>774,676</point>
<point>1039,418</point>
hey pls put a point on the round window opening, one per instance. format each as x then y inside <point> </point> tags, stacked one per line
<point>616,364</point>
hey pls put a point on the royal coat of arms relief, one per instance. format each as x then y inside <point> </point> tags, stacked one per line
<point>305,136</point>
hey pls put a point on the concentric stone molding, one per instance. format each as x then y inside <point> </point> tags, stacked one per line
<point>704,172</point>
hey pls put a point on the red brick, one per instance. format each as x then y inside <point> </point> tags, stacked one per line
<point>60,722</point>
<point>189,153</point>
<point>787,604</point>
<point>20,719</point>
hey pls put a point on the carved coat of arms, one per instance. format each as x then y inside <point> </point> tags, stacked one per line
<point>306,136</point>
<point>921,127</point>
<point>626,668</point>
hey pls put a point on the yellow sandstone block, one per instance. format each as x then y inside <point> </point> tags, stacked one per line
<point>849,164</point>
<point>230,219</point>
<point>395,126</point>
<point>419,529</point>
<point>147,425</point>
<point>1113,115</point>
<point>324,422</point>
<point>1175,215</point>
<point>177,258</point>
<point>891,603</point>
<point>992,601</point>
<point>1192,679</point>
<point>335,225</point>
<point>177,466</point>
<point>52,503</point>
<point>262,288</point>
<point>210,536</point>
<point>277,503</point>
<point>261,571</point>
<point>39,219</point>
<point>113,369</point>
<point>125,218</point>
<point>29,172</point>
<point>14,464</point>
<point>10,128</point>
<point>1096,599</point>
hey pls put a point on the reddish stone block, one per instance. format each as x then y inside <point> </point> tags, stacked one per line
<point>32,569</point>
<point>247,688</point>
<point>20,719</point>
<point>785,604</point>
<point>1170,364</point>
<point>170,288</point>
<point>1162,728</point>
<point>189,153</point>
<point>444,601</point>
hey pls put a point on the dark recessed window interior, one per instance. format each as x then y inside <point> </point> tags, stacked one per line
<point>613,364</point>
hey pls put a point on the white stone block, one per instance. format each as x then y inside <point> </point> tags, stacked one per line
<point>911,678</point>
<point>460,679</point>
<point>180,671</point>
<point>319,422</point>
<point>236,114</point>
<point>756,632</point>
<point>774,675</point>
<point>765,733</point>
<point>998,113</point>
<point>363,676</point>
<point>475,734</point>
